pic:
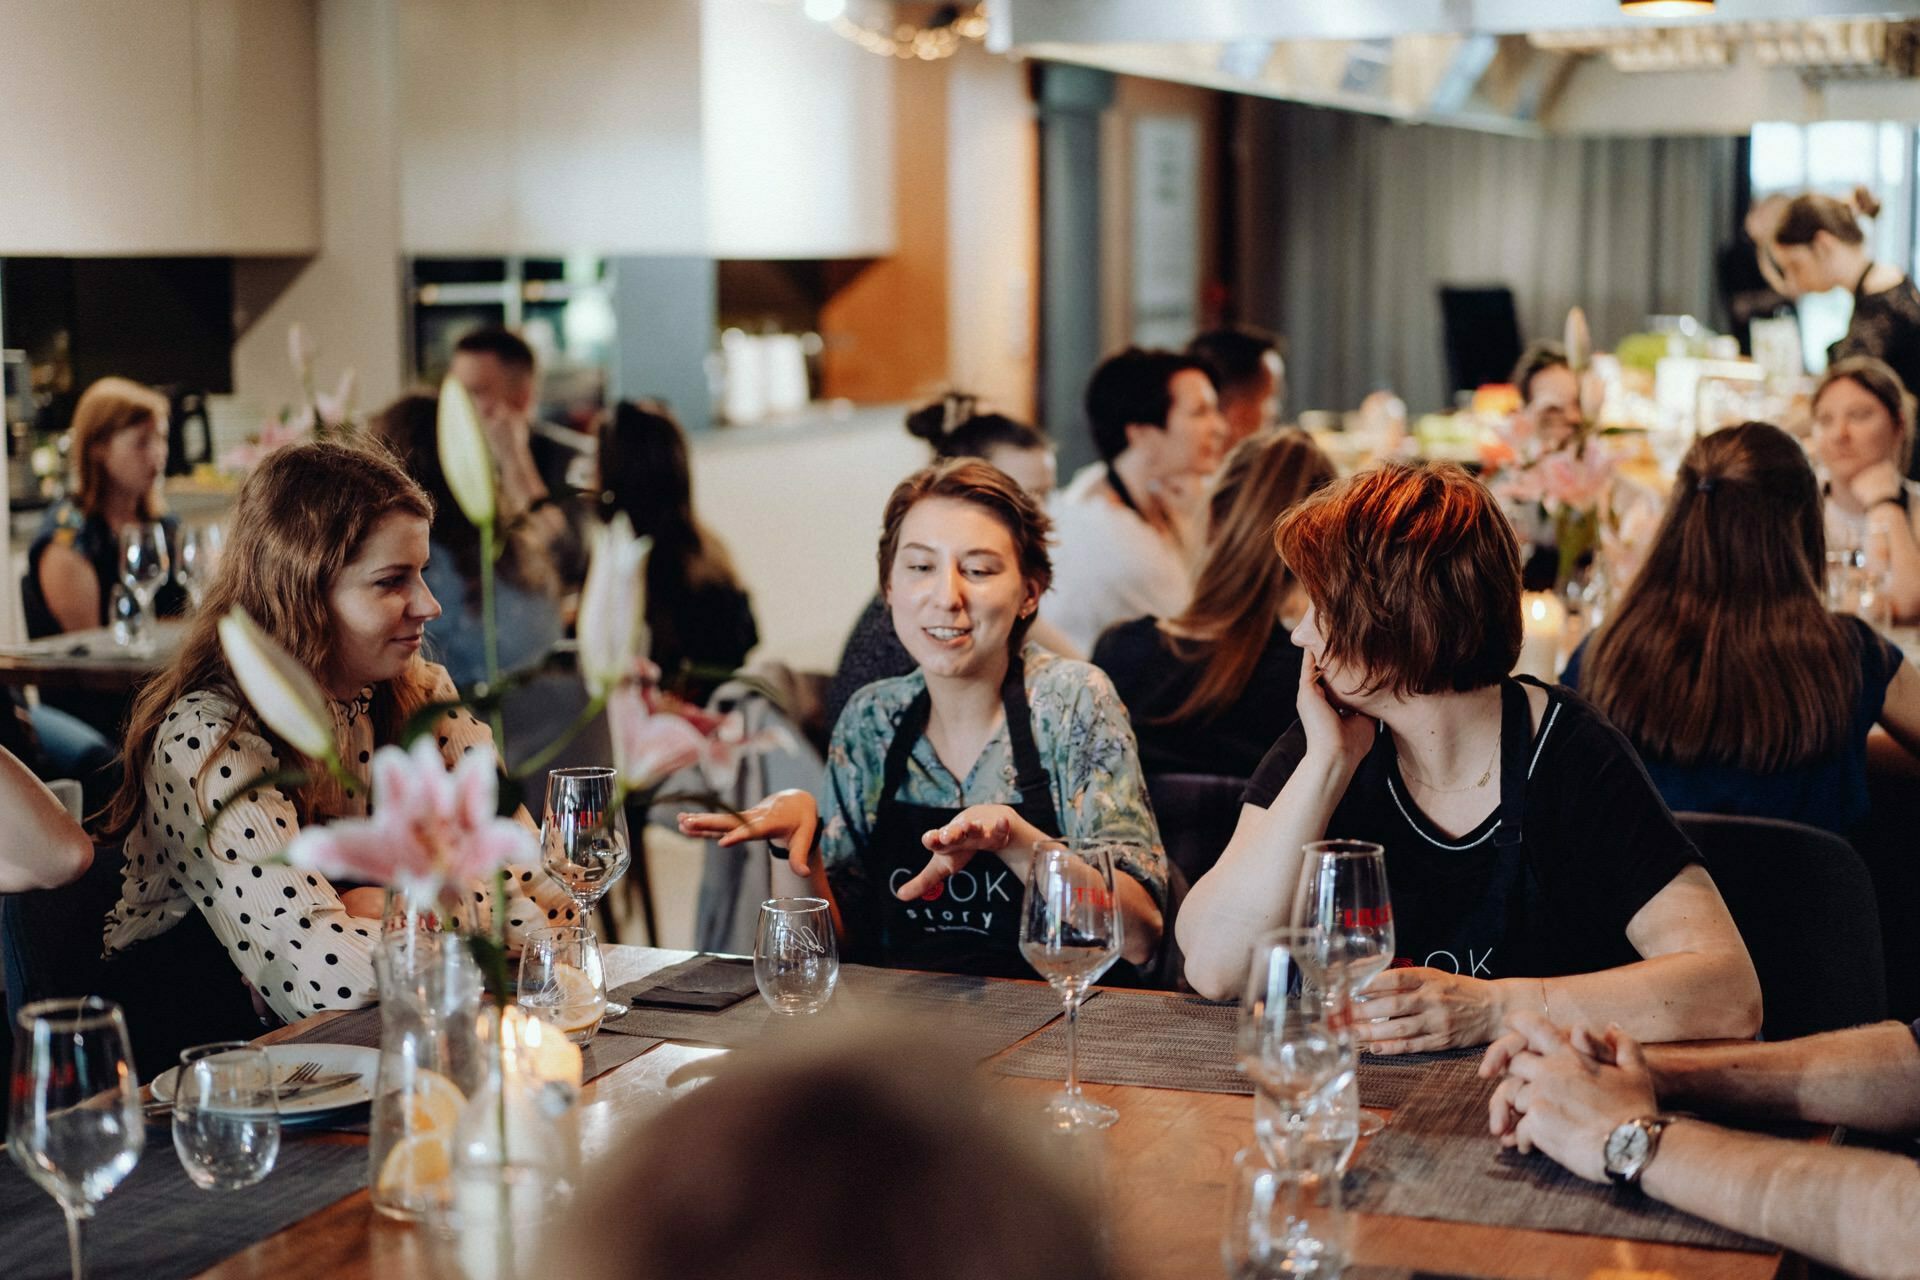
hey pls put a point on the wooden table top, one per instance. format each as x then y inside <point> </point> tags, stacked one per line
<point>89,659</point>
<point>1165,1176</point>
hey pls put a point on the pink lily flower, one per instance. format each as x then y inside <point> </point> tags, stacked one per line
<point>430,828</point>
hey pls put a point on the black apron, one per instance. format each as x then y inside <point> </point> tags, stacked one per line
<point>970,924</point>
<point>1458,902</point>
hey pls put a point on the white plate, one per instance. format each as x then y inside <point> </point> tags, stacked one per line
<point>333,1059</point>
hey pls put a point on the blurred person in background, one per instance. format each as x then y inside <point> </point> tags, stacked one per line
<point>1252,377</point>
<point>1863,426</point>
<point>1130,528</point>
<point>1721,664</point>
<point>956,428</point>
<point>498,369</point>
<point>769,1170</point>
<point>1205,688</point>
<point>526,582</point>
<point>699,620</point>
<point>118,444</point>
<point>1819,245</point>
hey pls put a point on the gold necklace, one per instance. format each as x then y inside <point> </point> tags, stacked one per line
<point>1486,775</point>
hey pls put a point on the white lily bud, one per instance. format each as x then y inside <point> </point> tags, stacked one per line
<point>1579,342</point>
<point>283,693</point>
<point>300,350</point>
<point>464,456</point>
<point>612,626</point>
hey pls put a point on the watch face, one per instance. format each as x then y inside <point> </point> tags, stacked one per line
<point>1626,1147</point>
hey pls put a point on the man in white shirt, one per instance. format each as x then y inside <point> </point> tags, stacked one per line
<point>1129,528</point>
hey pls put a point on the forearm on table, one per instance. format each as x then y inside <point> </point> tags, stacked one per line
<point>1857,1210</point>
<point>1864,1077</point>
<point>1250,889</point>
<point>1683,995</point>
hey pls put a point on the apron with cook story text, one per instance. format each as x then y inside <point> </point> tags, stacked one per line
<point>970,924</point>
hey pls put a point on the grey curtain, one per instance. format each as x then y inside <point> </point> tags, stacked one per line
<point>1347,225</point>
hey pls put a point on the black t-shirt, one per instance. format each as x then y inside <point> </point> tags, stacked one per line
<point>1153,680</point>
<point>1597,843</point>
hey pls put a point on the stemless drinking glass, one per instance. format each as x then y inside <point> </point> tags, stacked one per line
<point>583,839</point>
<point>124,618</point>
<point>1283,1222</point>
<point>74,1121</point>
<point>1343,893</point>
<point>562,980</point>
<point>1070,933</point>
<point>1287,1043</point>
<point>796,962</point>
<point>226,1115</point>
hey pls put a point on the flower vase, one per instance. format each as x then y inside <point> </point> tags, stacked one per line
<point>431,1062</point>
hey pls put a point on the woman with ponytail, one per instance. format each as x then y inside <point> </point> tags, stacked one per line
<point>1820,245</point>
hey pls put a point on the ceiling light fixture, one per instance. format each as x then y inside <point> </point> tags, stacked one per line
<point>1666,8</point>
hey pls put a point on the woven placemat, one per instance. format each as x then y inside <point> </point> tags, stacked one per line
<point>1436,1160</point>
<point>362,1027</point>
<point>1390,1080</point>
<point>981,1016</point>
<point>1136,1038</point>
<point>157,1225</point>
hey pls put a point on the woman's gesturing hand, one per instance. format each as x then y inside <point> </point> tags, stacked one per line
<point>992,828</point>
<point>787,818</point>
<point>1419,1010</point>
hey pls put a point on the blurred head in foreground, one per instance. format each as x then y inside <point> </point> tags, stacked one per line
<point>856,1156</point>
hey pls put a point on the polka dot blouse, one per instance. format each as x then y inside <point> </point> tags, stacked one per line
<point>284,928</point>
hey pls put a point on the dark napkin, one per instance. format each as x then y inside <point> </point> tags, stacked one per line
<point>157,1225</point>
<point>704,982</point>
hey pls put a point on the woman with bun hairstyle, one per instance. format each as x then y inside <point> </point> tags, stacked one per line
<point>1819,245</point>
<point>956,428</point>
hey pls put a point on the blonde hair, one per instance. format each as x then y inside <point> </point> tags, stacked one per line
<point>110,406</point>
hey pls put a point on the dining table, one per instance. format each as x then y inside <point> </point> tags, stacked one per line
<point>1163,1177</point>
<point>91,660</point>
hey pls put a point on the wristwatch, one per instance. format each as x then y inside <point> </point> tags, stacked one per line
<point>1631,1147</point>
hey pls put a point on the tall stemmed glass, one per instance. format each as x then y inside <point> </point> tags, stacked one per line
<point>74,1123</point>
<point>200,547</point>
<point>1070,931</point>
<point>583,840</point>
<point>144,564</point>
<point>1287,1042</point>
<point>1343,893</point>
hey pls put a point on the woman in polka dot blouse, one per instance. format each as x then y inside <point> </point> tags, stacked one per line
<point>326,549</point>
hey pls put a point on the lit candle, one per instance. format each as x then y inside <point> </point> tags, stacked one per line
<point>1544,625</point>
<point>536,1050</point>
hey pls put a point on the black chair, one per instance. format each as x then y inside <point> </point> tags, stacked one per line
<point>1197,813</point>
<point>1805,905</point>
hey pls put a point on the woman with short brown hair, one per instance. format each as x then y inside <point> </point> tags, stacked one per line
<point>1533,864</point>
<point>1863,424</point>
<point>1722,664</point>
<point>940,783</point>
<point>118,443</point>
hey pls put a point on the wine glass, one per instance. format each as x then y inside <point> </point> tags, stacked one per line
<point>200,547</point>
<point>583,839</point>
<point>226,1115</point>
<point>1343,894</point>
<point>1287,1043</point>
<point>1070,932</point>
<point>144,559</point>
<point>74,1121</point>
<point>563,981</point>
<point>796,962</point>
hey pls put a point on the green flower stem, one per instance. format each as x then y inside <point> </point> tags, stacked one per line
<point>490,632</point>
<point>545,756</point>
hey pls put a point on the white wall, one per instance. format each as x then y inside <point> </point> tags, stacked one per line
<point>348,295</point>
<point>801,516</point>
<point>158,127</point>
<point>798,126</point>
<point>550,127</point>
<point>993,229</point>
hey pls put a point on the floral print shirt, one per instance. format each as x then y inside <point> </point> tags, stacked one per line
<point>284,929</point>
<point>1080,729</point>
